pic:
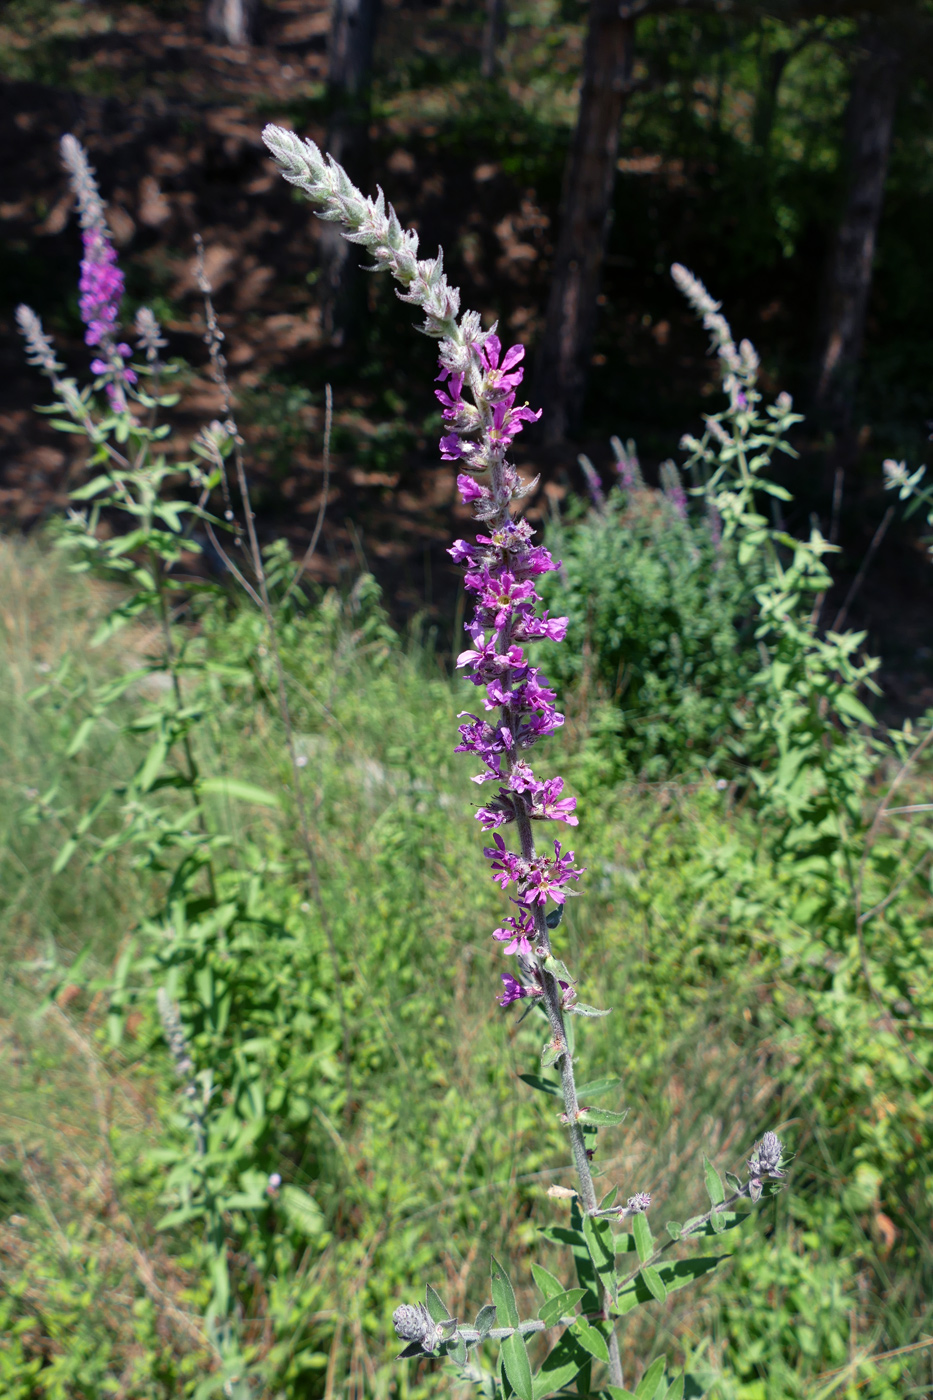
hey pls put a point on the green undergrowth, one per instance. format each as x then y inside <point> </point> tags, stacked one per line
<point>358,1052</point>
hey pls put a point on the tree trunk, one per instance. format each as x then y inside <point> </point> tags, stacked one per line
<point>231,21</point>
<point>493,35</point>
<point>586,209</point>
<point>349,80</point>
<point>869,127</point>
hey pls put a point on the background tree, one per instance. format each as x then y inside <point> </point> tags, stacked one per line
<point>231,21</point>
<point>869,129</point>
<point>349,83</point>
<point>586,207</point>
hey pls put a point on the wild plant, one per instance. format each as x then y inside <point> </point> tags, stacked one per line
<point>616,1271</point>
<point>136,521</point>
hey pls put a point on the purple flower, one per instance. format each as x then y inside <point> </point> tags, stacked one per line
<point>549,805</point>
<point>514,990</point>
<point>519,934</point>
<point>468,486</point>
<point>100,287</point>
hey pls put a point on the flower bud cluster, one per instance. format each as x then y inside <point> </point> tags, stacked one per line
<point>765,1163</point>
<point>501,567</point>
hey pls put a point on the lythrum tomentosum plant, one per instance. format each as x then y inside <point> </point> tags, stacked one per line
<point>518,710</point>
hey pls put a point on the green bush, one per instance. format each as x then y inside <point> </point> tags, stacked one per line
<point>661,630</point>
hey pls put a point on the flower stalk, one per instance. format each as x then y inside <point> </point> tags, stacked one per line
<point>501,568</point>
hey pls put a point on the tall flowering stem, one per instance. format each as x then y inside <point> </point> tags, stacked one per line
<point>482,417</point>
<point>101,283</point>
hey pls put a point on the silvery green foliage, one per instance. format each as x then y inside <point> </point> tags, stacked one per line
<point>374,225</point>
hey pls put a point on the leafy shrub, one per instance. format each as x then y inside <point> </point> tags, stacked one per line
<point>660,630</point>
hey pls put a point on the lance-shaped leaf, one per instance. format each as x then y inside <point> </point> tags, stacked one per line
<point>561,1365</point>
<point>503,1295</point>
<point>647,1387</point>
<point>591,1339</point>
<point>580,1008</point>
<point>485,1318</point>
<point>674,1229</point>
<point>598,1236</point>
<point>618,1392</point>
<point>436,1306</point>
<point>596,1087</point>
<point>560,1306</point>
<point>548,1284</point>
<point>557,969</point>
<point>547,1086</point>
<point>601,1117</point>
<point>717,1192</point>
<point>553,1049</point>
<point>413,1349</point>
<point>654,1283</point>
<point>517,1366</point>
<point>674,1276</point>
<point>644,1240</point>
<point>609,1199</point>
<point>586,1271</point>
<point>675,1391</point>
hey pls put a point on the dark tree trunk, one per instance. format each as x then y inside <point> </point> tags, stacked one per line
<point>493,35</point>
<point>231,21</point>
<point>869,127</point>
<point>586,208</point>
<point>349,80</point>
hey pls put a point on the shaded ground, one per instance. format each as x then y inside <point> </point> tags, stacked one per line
<point>172,124</point>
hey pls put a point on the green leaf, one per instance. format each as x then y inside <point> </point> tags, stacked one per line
<point>457,1351</point>
<point>302,1211</point>
<point>547,1086</point>
<point>586,1271</point>
<point>517,1366</point>
<point>556,968</point>
<point>645,1390</point>
<point>64,855</point>
<point>561,1365</point>
<point>553,1049</point>
<point>609,1198</point>
<point>601,1116</point>
<point>153,761</point>
<point>437,1307</point>
<point>580,1008</point>
<point>644,1240</point>
<point>560,1305</point>
<point>246,792</point>
<point>618,1393</point>
<point>503,1295</point>
<point>674,1229</point>
<point>675,1391</point>
<point>486,1318</point>
<point>591,1340</point>
<point>685,1271</point>
<point>81,736</point>
<point>550,1286</point>
<point>596,1088</point>
<point>598,1236</point>
<point>654,1283</point>
<point>717,1192</point>
<point>553,919</point>
<point>847,704</point>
